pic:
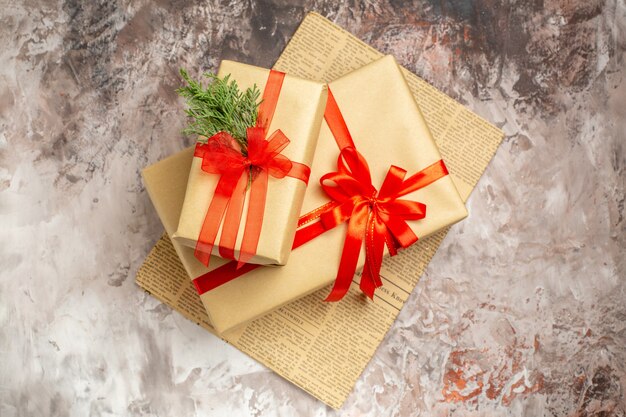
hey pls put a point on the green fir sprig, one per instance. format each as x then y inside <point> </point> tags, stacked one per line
<point>219,106</point>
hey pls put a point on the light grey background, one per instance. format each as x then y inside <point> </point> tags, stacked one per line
<point>521,312</point>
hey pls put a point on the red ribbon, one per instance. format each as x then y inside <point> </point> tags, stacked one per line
<point>377,218</point>
<point>222,155</point>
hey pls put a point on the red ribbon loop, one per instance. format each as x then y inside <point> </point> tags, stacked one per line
<point>222,155</point>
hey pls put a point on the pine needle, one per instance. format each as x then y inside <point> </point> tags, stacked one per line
<point>219,106</point>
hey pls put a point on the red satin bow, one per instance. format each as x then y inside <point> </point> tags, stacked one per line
<point>222,155</point>
<point>376,217</point>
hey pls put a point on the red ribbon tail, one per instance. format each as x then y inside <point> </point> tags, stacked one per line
<point>230,228</point>
<point>367,284</point>
<point>254,219</point>
<point>232,270</point>
<point>213,218</point>
<point>374,247</point>
<point>350,255</point>
<point>400,230</point>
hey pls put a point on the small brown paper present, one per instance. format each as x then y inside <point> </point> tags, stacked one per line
<point>298,114</point>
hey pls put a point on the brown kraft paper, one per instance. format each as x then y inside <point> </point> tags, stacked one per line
<point>298,114</point>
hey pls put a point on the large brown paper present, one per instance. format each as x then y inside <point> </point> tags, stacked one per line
<point>297,341</point>
<point>298,114</point>
<point>387,128</point>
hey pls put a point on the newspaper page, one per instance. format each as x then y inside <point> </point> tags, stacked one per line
<point>324,347</point>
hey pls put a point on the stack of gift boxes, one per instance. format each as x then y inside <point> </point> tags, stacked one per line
<point>322,183</point>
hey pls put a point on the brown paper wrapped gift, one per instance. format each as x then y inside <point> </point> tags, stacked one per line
<point>387,128</point>
<point>298,114</point>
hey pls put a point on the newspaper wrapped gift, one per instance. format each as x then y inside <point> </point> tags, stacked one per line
<point>388,129</point>
<point>297,112</point>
